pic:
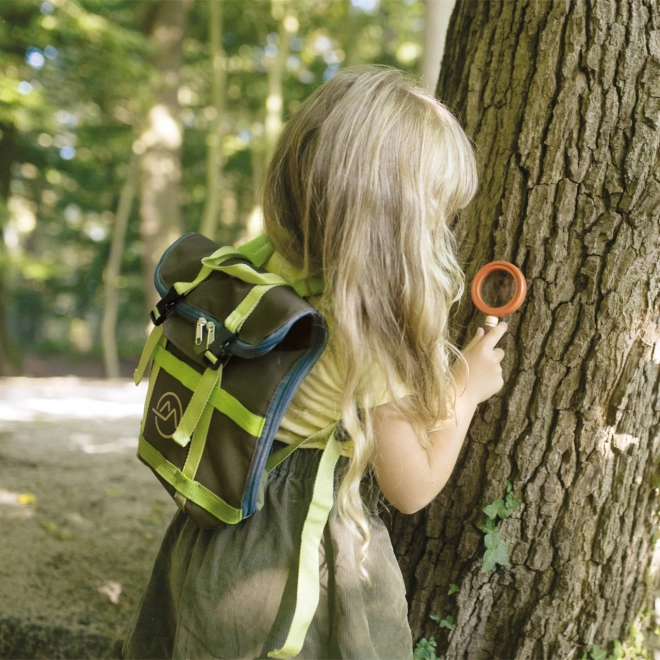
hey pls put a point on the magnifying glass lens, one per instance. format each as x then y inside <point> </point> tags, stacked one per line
<point>498,288</point>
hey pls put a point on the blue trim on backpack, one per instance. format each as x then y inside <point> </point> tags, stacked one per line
<point>275,413</point>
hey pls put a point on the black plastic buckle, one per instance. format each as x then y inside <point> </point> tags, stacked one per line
<point>219,349</point>
<point>163,309</point>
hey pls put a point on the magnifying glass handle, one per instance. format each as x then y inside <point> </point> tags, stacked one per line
<point>491,322</point>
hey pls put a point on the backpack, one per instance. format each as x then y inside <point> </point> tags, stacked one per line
<point>230,346</point>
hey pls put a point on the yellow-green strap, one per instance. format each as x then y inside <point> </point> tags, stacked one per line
<point>210,378</point>
<point>198,443</point>
<point>307,597</point>
<point>196,450</point>
<point>234,322</point>
<point>220,399</point>
<point>147,352</point>
<point>246,273</point>
<point>190,489</point>
<point>277,457</point>
<point>155,368</point>
<point>220,255</point>
<point>259,250</point>
<point>303,286</point>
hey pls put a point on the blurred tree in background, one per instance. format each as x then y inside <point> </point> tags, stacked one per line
<point>193,94</point>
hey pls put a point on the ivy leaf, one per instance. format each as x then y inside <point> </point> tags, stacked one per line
<point>436,617</point>
<point>509,486</point>
<point>425,649</point>
<point>497,508</point>
<point>447,622</point>
<point>597,654</point>
<point>497,552</point>
<point>489,526</point>
<point>453,589</point>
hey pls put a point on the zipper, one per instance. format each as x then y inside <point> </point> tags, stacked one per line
<point>210,333</point>
<point>199,331</point>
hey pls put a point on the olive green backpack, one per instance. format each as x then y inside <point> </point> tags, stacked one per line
<point>231,344</point>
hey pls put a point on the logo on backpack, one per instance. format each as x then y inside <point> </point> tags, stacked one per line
<point>168,413</point>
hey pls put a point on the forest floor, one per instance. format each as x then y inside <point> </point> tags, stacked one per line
<point>82,518</point>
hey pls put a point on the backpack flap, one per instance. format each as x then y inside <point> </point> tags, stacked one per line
<point>231,356</point>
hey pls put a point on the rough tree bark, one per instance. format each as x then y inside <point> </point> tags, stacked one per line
<point>160,143</point>
<point>562,99</point>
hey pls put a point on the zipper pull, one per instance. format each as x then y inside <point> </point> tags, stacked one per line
<point>199,333</point>
<point>210,333</point>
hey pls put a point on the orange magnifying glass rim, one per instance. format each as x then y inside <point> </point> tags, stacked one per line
<point>518,296</point>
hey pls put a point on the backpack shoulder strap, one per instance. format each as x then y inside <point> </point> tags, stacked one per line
<point>259,250</point>
<point>261,253</point>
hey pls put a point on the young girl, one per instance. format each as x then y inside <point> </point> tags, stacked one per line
<point>359,190</point>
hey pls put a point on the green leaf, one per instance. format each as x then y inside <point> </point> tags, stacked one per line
<point>488,527</point>
<point>597,654</point>
<point>509,486</point>
<point>617,652</point>
<point>436,617</point>
<point>497,552</point>
<point>49,527</point>
<point>453,589</point>
<point>492,538</point>
<point>497,508</point>
<point>425,649</point>
<point>447,622</point>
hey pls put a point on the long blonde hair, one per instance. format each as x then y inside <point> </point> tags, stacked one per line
<point>359,189</point>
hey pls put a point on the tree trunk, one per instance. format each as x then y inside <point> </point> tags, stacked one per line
<point>287,24</point>
<point>113,270</point>
<point>281,11</point>
<point>436,20</point>
<point>214,155</point>
<point>8,366</point>
<point>351,35</point>
<point>160,143</point>
<point>561,98</point>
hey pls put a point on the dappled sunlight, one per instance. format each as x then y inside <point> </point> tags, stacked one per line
<point>85,442</point>
<point>654,569</point>
<point>622,441</point>
<point>112,590</point>
<point>52,399</point>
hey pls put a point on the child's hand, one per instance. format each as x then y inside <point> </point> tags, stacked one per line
<point>484,360</point>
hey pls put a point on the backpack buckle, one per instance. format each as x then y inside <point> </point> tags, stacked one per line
<point>163,309</point>
<point>219,348</point>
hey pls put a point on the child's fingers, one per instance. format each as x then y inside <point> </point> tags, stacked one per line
<point>494,335</point>
<point>477,336</point>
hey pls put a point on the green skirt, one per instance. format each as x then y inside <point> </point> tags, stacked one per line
<point>230,592</point>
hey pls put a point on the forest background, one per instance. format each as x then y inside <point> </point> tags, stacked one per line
<point>174,105</point>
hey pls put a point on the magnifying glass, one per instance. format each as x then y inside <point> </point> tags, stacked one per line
<point>493,314</point>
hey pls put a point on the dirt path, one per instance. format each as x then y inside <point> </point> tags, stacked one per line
<point>81,518</point>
